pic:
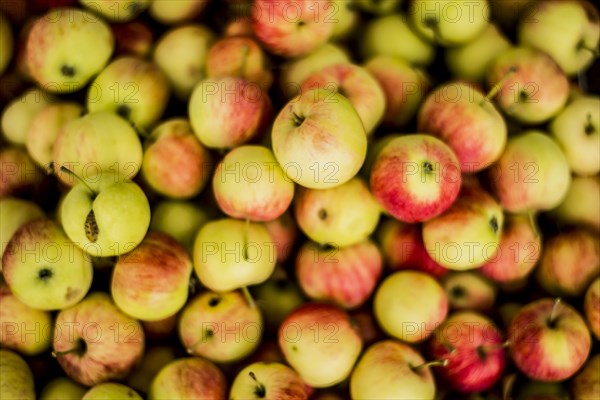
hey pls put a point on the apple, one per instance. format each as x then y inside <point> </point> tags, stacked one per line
<point>178,219</point>
<point>248,183</point>
<point>62,388</point>
<point>346,20</point>
<point>581,204</point>
<point>20,112</point>
<point>175,163</point>
<point>267,380</point>
<point>14,213</point>
<point>581,146</point>
<point>181,54</point>
<point>415,177</point>
<point>468,234</point>
<point>591,307</point>
<point>43,269</point>
<point>133,38</point>
<point>20,176</point>
<point>173,12</point>
<point>163,328</point>
<point>467,121</point>
<point>548,340</point>
<point>411,48</point>
<point>404,86</point>
<point>471,60</point>
<point>472,344</point>
<point>468,290</point>
<point>135,89</point>
<point>355,83</point>
<point>58,51</point>
<point>449,23</point>
<point>162,268</point>
<point>7,41</point>
<point>221,327</point>
<point>268,351</point>
<point>284,233</point>
<point>111,390</point>
<point>231,254</point>
<point>227,112</point>
<point>154,359</point>
<point>319,139</point>
<point>569,263</point>
<point>586,384</point>
<point>117,10</point>
<point>97,142</point>
<point>293,28</point>
<point>16,381</point>
<point>532,173</point>
<point>95,342</point>
<point>189,378</point>
<point>535,390</point>
<point>107,218</point>
<point>568,31</point>
<point>342,216</point>
<point>535,92</point>
<point>390,369</point>
<point>345,276</point>
<point>277,297</point>
<point>518,253</point>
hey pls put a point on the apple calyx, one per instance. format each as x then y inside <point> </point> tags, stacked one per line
<point>435,363</point>
<point>458,292</point>
<point>297,119</point>
<point>45,274</point>
<point>79,349</point>
<point>494,224</point>
<point>260,391</point>
<point>496,88</point>
<point>553,318</point>
<point>589,127</point>
<point>68,71</point>
<point>427,167</point>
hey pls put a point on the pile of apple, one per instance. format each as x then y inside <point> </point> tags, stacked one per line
<point>293,199</point>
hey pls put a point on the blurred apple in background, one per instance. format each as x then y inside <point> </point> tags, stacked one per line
<point>591,307</point>
<point>161,329</point>
<point>111,390</point>
<point>62,388</point>
<point>536,390</point>
<point>7,43</point>
<point>469,290</point>
<point>179,219</point>
<point>377,7</point>
<point>267,380</point>
<point>14,213</point>
<point>117,10</point>
<point>133,38</point>
<point>284,233</point>
<point>154,359</point>
<point>173,12</point>
<point>19,114</point>
<point>16,381</point>
<point>586,384</point>
<point>581,204</point>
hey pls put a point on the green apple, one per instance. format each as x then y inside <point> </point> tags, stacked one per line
<point>135,89</point>
<point>581,145</point>
<point>377,7</point>
<point>268,380</point>
<point>468,290</point>
<point>581,204</point>
<point>44,269</point>
<point>117,10</point>
<point>14,213</point>
<point>62,388</point>
<point>181,54</point>
<point>16,380</point>
<point>6,43</point>
<point>111,391</point>
<point>173,12</point>
<point>180,219</point>
<point>409,46</point>
<point>20,176</point>
<point>66,48</point>
<point>346,19</point>
<point>154,359</point>
<point>19,114</point>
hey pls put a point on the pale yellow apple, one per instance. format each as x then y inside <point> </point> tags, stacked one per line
<point>111,391</point>
<point>581,204</point>
<point>16,379</point>
<point>180,219</point>
<point>19,114</point>
<point>62,388</point>
<point>172,12</point>
<point>117,10</point>
<point>14,213</point>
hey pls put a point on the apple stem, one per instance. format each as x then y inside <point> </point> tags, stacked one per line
<point>248,297</point>
<point>496,88</point>
<point>429,364</point>
<point>77,348</point>
<point>552,318</point>
<point>532,223</point>
<point>507,386</point>
<point>246,51</point>
<point>65,170</point>
<point>245,234</point>
<point>488,348</point>
<point>589,127</point>
<point>260,388</point>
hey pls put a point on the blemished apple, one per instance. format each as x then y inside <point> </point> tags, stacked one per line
<point>181,54</point>
<point>415,177</point>
<point>319,139</point>
<point>284,233</point>
<point>467,235</point>
<point>591,307</point>
<point>95,342</point>
<point>548,340</point>
<point>54,276</point>
<point>163,269</point>
<point>294,33</point>
<point>568,31</point>
<point>355,83</point>
<point>469,290</point>
<point>274,381</point>
<point>399,370</point>
<point>19,114</point>
<point>189,378</point>
<point>221,327</point>
<point>6,43</point>
<point>581,204</point>
<point>134,38</point>
<point>532,173</point>
<point>231,254</point>
<point>410,46</point>
<point>154,359</point>
<point>250,183</point>
<point>586,384</point>
<point>117,10</point>
<point>581,145</point>
<point>535,92</point>
<point>569,263</point>
<point>50,54</point>
<point>346,276</point>
<point>62,388</point>
<point>478,140</point>
<point>16,381</point>
<point>404,86</point>
<point>227,112</point>
<point>133,88</point>
<point>14,213</point>
<point>473,346</point>
<point>342,216</point>
<point>175,163</point>
<point>173,12</point>
<point>20,174</point>
<point>179,219</point>
<point>111,391</point>
<point>320,343</point>
<point>449,23</point>
<point>400,315</point>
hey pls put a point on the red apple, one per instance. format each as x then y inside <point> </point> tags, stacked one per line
<point>133,38</point>
<point>591,307</point>
<point>283,232</point>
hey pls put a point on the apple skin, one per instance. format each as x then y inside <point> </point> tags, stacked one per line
<point>160,329</point>
<point>548,353</point>
<point>111,390</point>
<point>110,356</point>
<point>278,381</point>
<point>20,176</point>
<point>390,364</point>
<point>19,114</point>
<point>179,219</point>
<point>346,276</point>
<point>469,290</point>
<point>151,282</point>
<point>62,388</point>
<point>342,216</point>
<point>175,163</point>
<point>221,327</point>
<point>50,43</point>
<point>16,381</point>
<point>581,204</point>
<point>55,258</point>
<point>295,34</point>
<point>591,307</point>
<point>7,41</point>
<point>284,233</point>
<point>322,332</point>
<point>532,173</point>
<point>571,260</point>
<point>463,118</point>
<point>154,359</point>
<point>173,12</point>
<point>471,366</point>
<point>377,7</point>
<point>189,378</point>
<point>240,26</point>
<point>519,251</point>
<point>415,177</point>
<point>14,213</point>
<point>586,384</point>
<point>133,38</point>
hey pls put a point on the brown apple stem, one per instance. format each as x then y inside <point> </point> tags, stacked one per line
<point>72,174</point>
<point>451,349</point>
<point>488,348</point>
<point>496,88</point>
<point>77,348</point>
<point>552,318</point>
<point>531,216</point>
<point>246,51</point>
<point>248,296</point>
<point>260,390</point>
<point>508,385</point>
<point>245,234</point>
<point>429,364</point>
